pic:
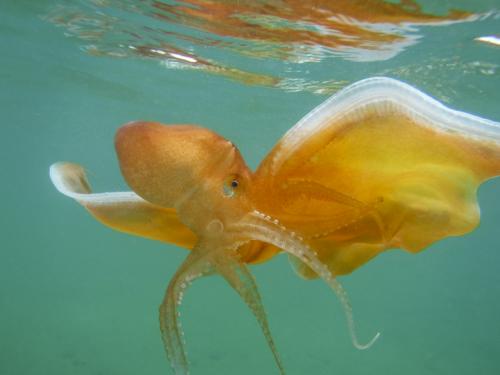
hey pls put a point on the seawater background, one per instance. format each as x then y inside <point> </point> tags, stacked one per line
<point>78,298</point>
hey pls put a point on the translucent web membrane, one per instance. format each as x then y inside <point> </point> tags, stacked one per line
<point>264,228</point>
<point>328,224</point>
<point>203,261</point>
<point>386,96</point>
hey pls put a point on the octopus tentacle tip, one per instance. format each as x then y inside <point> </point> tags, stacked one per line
<point>369,344</point>
<point>264,228</point>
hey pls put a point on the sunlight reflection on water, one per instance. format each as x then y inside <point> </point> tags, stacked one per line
<point>244,41</point>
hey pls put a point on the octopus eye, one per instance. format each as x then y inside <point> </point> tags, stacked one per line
<point>230,186</point>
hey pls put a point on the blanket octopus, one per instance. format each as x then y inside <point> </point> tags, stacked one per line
<point>378,166</point>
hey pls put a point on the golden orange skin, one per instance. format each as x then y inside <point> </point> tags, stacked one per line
<point>379,166</point>
<point>328,208</point>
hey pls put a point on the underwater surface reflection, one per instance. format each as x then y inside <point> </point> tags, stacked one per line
<point>193,34</point>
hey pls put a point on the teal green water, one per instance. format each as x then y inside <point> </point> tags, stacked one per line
<point>79,298</point>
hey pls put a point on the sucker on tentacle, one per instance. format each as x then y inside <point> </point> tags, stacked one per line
<point>195,266</point>
<point>242,281</point>
<point>202,262</point>
<point>313,190</point>
<point>267,229</point>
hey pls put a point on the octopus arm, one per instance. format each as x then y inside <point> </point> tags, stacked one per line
<point>123,211</point>
<point>379,165</point>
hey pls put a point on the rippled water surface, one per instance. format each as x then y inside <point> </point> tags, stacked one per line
<point>78,298</point>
